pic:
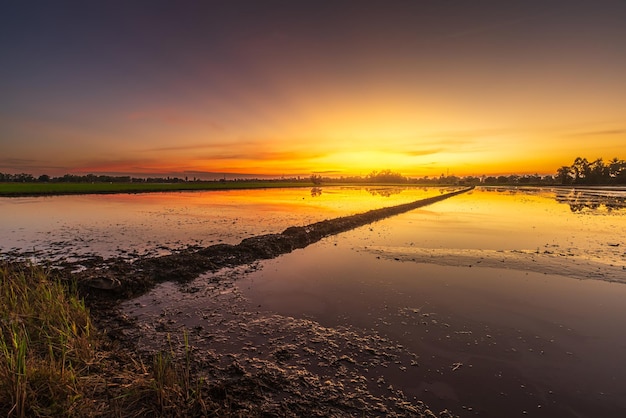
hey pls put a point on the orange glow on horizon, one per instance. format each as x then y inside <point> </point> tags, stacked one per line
<point>337,88</point>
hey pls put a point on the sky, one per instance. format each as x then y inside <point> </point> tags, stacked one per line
<point>284,88</point>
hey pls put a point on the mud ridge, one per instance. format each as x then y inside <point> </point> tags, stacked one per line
<point>117,279</point>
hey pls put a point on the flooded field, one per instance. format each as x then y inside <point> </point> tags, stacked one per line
<point>129,225</point>
<point>496,302</point>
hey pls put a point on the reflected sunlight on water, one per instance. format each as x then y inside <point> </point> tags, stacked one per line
<point>157,223</point>
<point>512,220</point>
<point>482,287</point>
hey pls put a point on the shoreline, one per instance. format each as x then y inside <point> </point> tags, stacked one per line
<point>16,190</point>
<point>19,190</point>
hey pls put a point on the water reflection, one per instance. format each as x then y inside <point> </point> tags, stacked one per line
<point>481,287</point>
<point>384,191</point>
<point>592,199</point>
<point>159,223</point>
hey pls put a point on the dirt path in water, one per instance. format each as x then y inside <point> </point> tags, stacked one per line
<point>118,279</point>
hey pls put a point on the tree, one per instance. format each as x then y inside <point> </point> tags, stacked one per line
<point>616,170</point>
<point>386,176</point>
<point>598,172</point>
<point>563,175</point>
<point>580,169</point>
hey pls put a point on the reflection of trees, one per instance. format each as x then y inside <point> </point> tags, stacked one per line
<point>578,200</point>
<point>384,191</point>
<point>316,191</point>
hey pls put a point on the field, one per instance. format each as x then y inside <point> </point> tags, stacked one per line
<point>45,189</point>
<point>438,304</point>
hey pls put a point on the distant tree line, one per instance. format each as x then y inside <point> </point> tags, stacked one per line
<point>89,178</point>
<point>580,172</point>
<point>387,176</point>
<point>593,173</point>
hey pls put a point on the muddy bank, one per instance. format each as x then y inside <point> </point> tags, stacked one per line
<point>116,279</point>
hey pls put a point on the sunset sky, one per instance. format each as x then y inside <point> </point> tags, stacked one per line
<point>422,87</point>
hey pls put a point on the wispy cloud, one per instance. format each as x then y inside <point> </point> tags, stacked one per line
<point>328,172</point>
<point>17,161</point>
<point>262,155</point>
<point>599,133</point>
<point>422,152</point>
<point>189,147</point>
<point>31,166</point>
<point>171,117</point>
<point>208,146</point>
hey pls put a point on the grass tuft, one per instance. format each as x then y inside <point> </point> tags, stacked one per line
<point>45,343</point>
<point>53,363</point>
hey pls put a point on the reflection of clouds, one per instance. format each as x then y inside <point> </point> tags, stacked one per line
<point>593,200</point>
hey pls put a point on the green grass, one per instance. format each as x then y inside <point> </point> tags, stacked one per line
<point>38,189</point>
<point>54,363</point>
<point>45,344</point>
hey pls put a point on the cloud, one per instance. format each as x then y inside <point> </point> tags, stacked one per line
<point>121,164</point>
<point>599,133</point>
<point>19,162</point>
<point>328,172</point>
<point>266,155</point>
<point>422,152</point>
<point>189,147</point>
<point>207,146</point>
<point>171,117</point>
<point>30,166</point>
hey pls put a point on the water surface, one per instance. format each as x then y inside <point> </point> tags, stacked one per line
<point>498,302</point>
<point>464,284</point>
<point>159,223</point>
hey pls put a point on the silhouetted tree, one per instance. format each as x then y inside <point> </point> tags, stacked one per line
<point>595,172</point>
<point>563,174</point>
<point>580,169</point>
<point>386,176</point>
